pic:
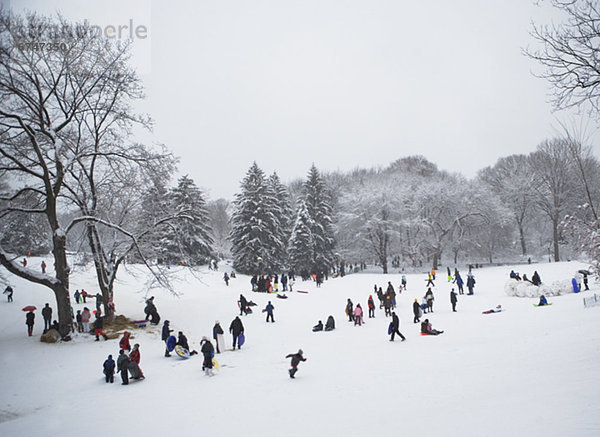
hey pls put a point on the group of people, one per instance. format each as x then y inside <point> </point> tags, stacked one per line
<point>271,283</point>
<point>535,279</point>
<point>128,362</point>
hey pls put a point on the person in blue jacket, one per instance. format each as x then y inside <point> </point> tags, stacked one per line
<point>269,309</point>
<point>109,369</point>
<point>166,333</point>
<point>459,283</point>
<point>543,300</point>
<point>470,283</point>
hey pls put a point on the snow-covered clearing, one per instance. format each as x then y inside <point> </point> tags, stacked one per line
<point>525,371</point>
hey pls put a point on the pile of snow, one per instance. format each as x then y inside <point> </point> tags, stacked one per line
<point>527,289</point>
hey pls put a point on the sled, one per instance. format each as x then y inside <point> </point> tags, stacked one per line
<point>221,342</point>
<point>171,343</point>
<point>575,286</point>
<point>182,352</point>
<point>425,333</point>
<point>537,305</point>
<point>134,370</point>
<point>215,364</point>
<point>139,323</point>
<point>282,296</point>
<point>241,340</point>
<point>390,328</point>
<point>301,291</point>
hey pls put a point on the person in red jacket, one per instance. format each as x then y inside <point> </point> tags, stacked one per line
<point>135,357</point>
<point>124,343</point>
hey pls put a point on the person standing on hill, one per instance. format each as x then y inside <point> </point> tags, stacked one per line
<point>416,311</point>
<point>350,310</point>
<point>453,300</point>
<point>123,367</point>
<point>86,315</point>
<point>430,299</point>
<point>459,282</point>
<point>217,330</point>
<point>243,304</point>
<point>47,315</point>
<point>165,334</point>
<point>208,352</point>
<point>390,290</point>
<point>98,325</point>
<point>430,280</point>
<point>396,327</point>
<point>358,315</point>
<point>124,342</point>
<point>371,306</point>
<point>535,279</point>
<point>29,321</point>
<point>470,283</point>
<point>236,328</point>
<point>269,310</point>
<point>135,357</point>
<point>109,369</point>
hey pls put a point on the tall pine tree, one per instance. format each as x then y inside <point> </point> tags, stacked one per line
<point>255,233</point>
<point>301,247</point>
<point>190,234</point>
<point>281,209</point>
<point>318,205</point>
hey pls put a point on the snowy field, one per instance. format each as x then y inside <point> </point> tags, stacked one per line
<point>527,371</point>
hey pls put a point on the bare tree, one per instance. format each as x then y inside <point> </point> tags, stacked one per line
<point>570,52</point>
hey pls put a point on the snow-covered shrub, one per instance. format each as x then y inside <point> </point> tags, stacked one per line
<point>527,289</point>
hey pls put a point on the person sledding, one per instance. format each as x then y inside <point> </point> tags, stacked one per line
<point>330,325</point>
<point>296,358</point>
<point>243,303</point>
<point>318,327</point>
<point>498,309</point>
<point>543,301</point>
<point>183,342</point>
<point>427,329</point>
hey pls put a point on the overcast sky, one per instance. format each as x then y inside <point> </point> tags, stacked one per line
<point>343,84</point>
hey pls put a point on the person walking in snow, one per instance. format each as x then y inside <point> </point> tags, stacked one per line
<point>226,279</point>
<point>296,358</point>
<point>217,330</point>
<point>47,315</point>
<point>390,290</point>
<point>358,315</point>
<point>109,369</point>
<point>243,304</point>
<point>136,357</point>
<point>350,310</point>
<point>416,311</point>
<point>387,304</point>
<point>453,300</point>
<point>208,352</point>
<point>43,265</point>
<point>380,296</point>
<point>236,328</point>
<point>371,306</point>
<point>98,325</point>
<point>396,327</point>
<point>165,334</point>
<point>269,310</point>
<point>123,367</point>
<point>430,280</point>
<point>86,315</point>
<point>429,297</point>
<point>124,342</point>
<point>9,293</point>
<point>404,282</point>
<point>29,321</point>
<point>470,283</point>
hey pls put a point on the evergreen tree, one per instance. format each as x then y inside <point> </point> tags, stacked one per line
<point>155,205</point>
<point>281,210</point>
<point>318,205</point>
<point>255,232</point>
<point>301,246</point>
<point>191,234</point>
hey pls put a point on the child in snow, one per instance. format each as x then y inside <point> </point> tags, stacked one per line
<point>493,310</point>
<point>543,301</point>
<point>318,327</point>
<point>109,369</point>
<point>358,315</point>
<point>208,351</point>
<point>86,315</point>
<point>427,329</point>
<point>296,358</point>
<point>371,305</point>
<point>98,325</point>
<point>124,342</point>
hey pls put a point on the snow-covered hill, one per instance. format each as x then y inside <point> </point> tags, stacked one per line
<point>525,371</point>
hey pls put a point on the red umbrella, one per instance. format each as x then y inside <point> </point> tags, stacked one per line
<point>29,308</point>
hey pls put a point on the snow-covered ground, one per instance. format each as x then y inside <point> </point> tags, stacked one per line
<point>526,371</point>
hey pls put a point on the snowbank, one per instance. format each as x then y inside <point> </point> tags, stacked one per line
<point>527,289</point>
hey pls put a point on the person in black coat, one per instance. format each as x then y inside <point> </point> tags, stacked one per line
<point>453,300</point>
<point>29,320</point>
<point>330,325</point>
<point>296,358</point>
<point>396,327</point>
<point>243,304</point>
<point>217,330</point>
<point>109,369</point>
<point>47,315</point>
<point>535,279</point>
<point>470,283</point>
<point>416,311</point>
<point>236,328</point>
<point>318,327</point>
<point>350,310</point>
<point>208,352</point>
<point>166,333</point>
<point>123,366</point>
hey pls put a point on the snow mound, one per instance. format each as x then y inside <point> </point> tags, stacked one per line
<point>527,289</point>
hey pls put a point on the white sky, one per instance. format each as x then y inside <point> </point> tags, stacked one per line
<point>338,83</point>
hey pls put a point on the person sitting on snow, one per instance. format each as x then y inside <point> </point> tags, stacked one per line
<point>318,327</point>
<point>543,300</point>
<point>427,329</point>
<point>330,325</point>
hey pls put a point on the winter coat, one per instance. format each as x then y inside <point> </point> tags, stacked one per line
<point>270,308</point>
<point>135,356</point>
<point>371,303</point>
<point>318,327</point>
<point>243,302</point>
<point>349,307</point>
<point>395,321</point>
<point>99,322</point>
<point>429,295</point>
<point>166,332</point>
<point>424,328</point>
<point>459,281</point>
<point>29,318</point>
<point>109,366</point>
<point>471,282</point>
<point>330,325</point>
<point>47,313</point>
<point>217,330</point>
<point>207,348</point>
<point>86,315</point>
<point>124,343</point>
<point>416,308</point>
<point>296,358</point>
<point>182,341</point>
<point>236,327</point>
<point>358,312</point>
<point>123,362</point>
<point>453,297</point>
